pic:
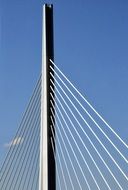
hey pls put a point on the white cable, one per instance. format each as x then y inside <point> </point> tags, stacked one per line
<point>90,117</point>
<point>61,152</point>
<point>82,142</point>
<point>90,105</point>
<point>96,150</point>
<point>58,176</point>
<point>62,171</point>
<point>81,155</point>
<point>69,156</point>
<point>78,150</point>
<point>92,131</point>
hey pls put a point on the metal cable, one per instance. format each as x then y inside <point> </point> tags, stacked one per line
<point>56,164</point>
<point>70,179</point>
<point>81,141</point>
<point>90,105</point>
<point>27,151</point>
<point>94,148</point>
<point>15,148</point>
<point>92,131</point>
<point>125,159</point>
<point>9,153</point>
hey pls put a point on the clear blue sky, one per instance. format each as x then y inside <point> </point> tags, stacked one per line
<point>91,47</point>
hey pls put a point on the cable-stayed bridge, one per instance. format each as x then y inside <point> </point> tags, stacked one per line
<point>84,149</point>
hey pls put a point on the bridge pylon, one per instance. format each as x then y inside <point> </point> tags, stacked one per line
<point>47,175</point>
